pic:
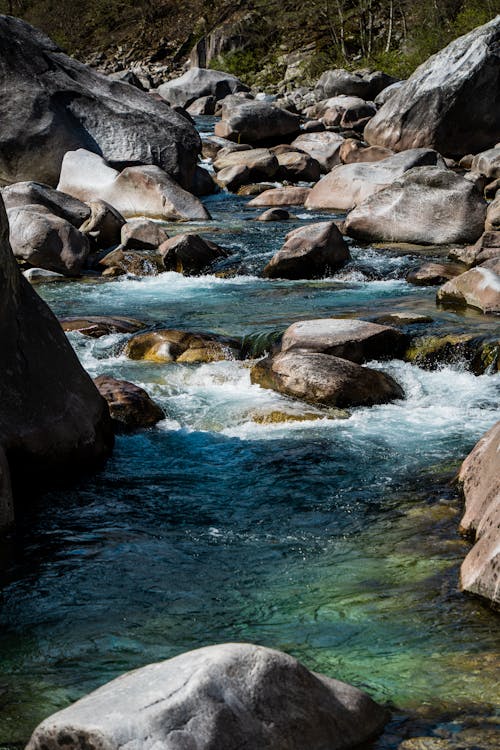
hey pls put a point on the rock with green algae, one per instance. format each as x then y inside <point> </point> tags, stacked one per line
<point>170,345</point>
<point>278,416</point>
<point>480,353</point>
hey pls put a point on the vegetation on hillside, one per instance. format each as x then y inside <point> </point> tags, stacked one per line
<point>395,35</point>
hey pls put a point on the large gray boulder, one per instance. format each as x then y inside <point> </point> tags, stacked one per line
<point>324,379</point>
<point>427,205</point>
<point>252,122</point>
<point>53,104</point>
<point>227,696</point>
<point>349,184</point>
<point>197,83</point>
<point>60,204</point>
<point>47,241</point>
<point>136,191</point>
<point>356,340</point>
<point>480,479</point>
<point>309,252</point>
<point>362,83</point>
<point>450,103</point>
<point>52,421</point>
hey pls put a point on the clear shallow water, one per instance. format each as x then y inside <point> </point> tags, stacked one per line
<point>333,540</point>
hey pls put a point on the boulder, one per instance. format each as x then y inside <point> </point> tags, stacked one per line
<point>35,193</point>
<point>47,241</point>
<point>480,479</point>
<point>134,262</point>
<point>309,252</point>
<point>260,163</point>
<point>169,345</point>
<point>274,214</point>
<point>324,147</point>
<point>347,185</point>
<point>487,163</point>
<point>205,105</point>
<point>479,287</point>
<point>285,196</point>
<point>96,326</point>
<point>129,405</point>
<point>226,696</point>
<point>197,83</point>
<point>450,103</point>
<point>295,166</point>
<point>491,189</point>
<point>355,340</point>
<point>252,122</point>
<point>104,224</point>
<point>136,191</point>
<point>212,144</point>
<point>138,234</point>
<point>386,93</point>
<point>427,205</point>
<point>203,183</point>
<point>190,253</point>
<point>434,274</point>
<point>53,422</point>
<point>344,111</point>
<point>362,83</point>
<point>324,379</point>
<point>234,178</point>
<point>353,152</point>
<point>256,188</point>
<point>479,354</point>
<point>493,216</point>
<point>53,104</point>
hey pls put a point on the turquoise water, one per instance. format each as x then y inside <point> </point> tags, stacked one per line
<point>334,540</point>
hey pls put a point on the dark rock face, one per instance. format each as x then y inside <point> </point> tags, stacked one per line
<point>60,204</point>
<point>227,696</point>
<point>53,421</point>
<point>324,379</point>
<point>53,104</point>
<point>129,405</point>
<point>139,234</point>
<point>309,252</point>
<point>450,103</point>
<point>198,83</point>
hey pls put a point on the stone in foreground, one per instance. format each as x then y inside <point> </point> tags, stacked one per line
<point>480,478</point>
<point>227,696</point>
<point>324,379</point>
<point>356,340</point>
<point>309,252</point>
<point>450,103</point>
<point>130,406</point>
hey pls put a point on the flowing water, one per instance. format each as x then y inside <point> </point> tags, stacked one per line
<point>334,540</point>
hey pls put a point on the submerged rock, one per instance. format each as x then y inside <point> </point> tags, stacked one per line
<point>96,326</point>
<point>169,345</point>
<point>129,405</point>
<point>227,696</point>
<point>324,379</point>
<point>309,252</point>
<point>279,417</point>
<point>274,214</point>
<point>450,103</point>
<point>356,340</point>
<point>41,374</point>
<point>480,354</point>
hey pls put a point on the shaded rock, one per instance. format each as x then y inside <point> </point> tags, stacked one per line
<point>129,405</point>
<point>355,340</point>
<point>491,189</point>
<point>203,183</point>
<point>47,241</point>
<point>309,252</point>
<point>427,205</point>
<point>324,147</point>
<point>324,379</point>
<point>297,167</point>
<point>492,223</point>
<point>353,152</point>
<point>137,263</point>
<point>6,499</point>
<point>252,122</point>
<point>35,193</point>
<point>433,274</point>
<point>169,345</point>
<point>285,196</point>
<point>40,373</point>
<point>143,234</point>
<point>104,224</point>
<point>190,253</point>
<point>212,144</point>
<point>479,287</point>
<point>54,104</point>
<point>197,83</point>
<point>362,83</point>
<point>274,214</point>
<point>96,326</point>
<point>480,354</point>
<point>487,163</point>
<point>205,105</point>
<point>347,185</point>
<point>487,247</point>
<point>480,479</point>
<point>42,276</point>
<point>256,188</point>
<point>225,696</point>
<point>450,103</point>
<point>136,191</point>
